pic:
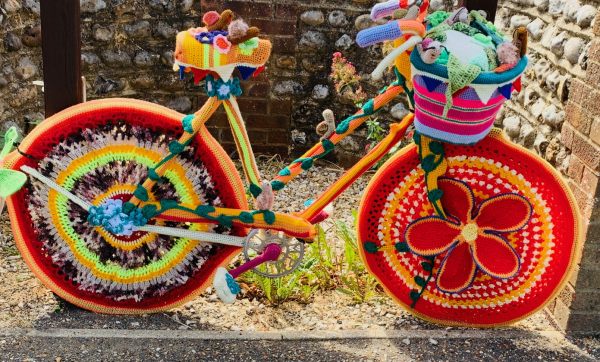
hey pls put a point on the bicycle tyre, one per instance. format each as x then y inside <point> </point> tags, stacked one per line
<point>547,246</point>
<point>103,149</point>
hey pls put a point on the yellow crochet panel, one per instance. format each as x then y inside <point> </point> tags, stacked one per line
<point>192,53</point>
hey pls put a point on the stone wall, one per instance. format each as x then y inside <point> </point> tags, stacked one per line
<point>551,117</point>
<point>20,63</point>
<point>560,35</point>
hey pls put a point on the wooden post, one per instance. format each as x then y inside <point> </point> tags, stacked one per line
<point>61,53</point>
<point>490,7</point>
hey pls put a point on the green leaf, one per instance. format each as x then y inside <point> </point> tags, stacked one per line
<point>168,204</point>
<point>269,217</point>
<point>417,138</point>
<point>435,195</point>
<point>370,247</point>
<point>328,146</point>
<point>277,185</point>
<point>414,295</point>
<point>204,210</point>
<point>420,281</point>
<point>255,190</point>
<point>307,164</point>
<point>428,163</point>
<point>285,172</point>
<point>402,247</point>
<point>224,220</point>
<point>246,217</point>
<point>427,266</point>
<point>149,211</point>
<point>436,147</point>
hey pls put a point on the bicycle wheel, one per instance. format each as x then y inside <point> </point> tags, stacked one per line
<point>101,150</point>
<point>474,281</point>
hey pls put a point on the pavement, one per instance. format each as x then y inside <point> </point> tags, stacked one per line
<point>108,344</point>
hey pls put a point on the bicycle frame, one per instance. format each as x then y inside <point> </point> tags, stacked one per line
<point>298,225</point>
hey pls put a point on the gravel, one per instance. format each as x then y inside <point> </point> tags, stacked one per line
<point>25,302</point>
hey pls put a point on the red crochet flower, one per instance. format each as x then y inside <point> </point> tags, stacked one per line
<point>470,235</point>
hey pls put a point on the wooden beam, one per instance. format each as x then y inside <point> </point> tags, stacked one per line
<point>61,53</point>
<point>490,7</point>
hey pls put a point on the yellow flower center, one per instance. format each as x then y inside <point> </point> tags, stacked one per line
<point>469,232</point>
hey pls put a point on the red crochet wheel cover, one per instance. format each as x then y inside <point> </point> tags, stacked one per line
<point>510,178</point>
<point>109,127</point>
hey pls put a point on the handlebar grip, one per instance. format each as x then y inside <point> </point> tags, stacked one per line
<point>378,34</point>
<point>387,8</point>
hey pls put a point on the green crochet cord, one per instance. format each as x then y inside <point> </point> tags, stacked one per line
<point>368,109</point>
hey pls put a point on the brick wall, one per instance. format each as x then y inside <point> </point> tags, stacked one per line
<point>583,108</point>
<point>555,115</point>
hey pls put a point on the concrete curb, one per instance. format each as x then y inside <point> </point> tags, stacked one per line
<point>272,336</point>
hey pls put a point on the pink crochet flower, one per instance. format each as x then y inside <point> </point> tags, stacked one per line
<point>210,18</point>
<point>222,44</point>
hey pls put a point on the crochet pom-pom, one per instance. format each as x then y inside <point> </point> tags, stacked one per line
<point>508,53</point>
<point>238,29</point>
<point>211,17</point>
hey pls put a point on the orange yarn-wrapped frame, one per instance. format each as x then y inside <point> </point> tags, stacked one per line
<point>101,150</point>
<point>546,246</point>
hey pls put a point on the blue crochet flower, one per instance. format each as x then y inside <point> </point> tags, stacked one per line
<point>208,37</point>
<point>221,89</point>
<point>110,216</point>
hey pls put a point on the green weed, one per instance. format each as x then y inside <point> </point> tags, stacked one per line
<point>322,269</point>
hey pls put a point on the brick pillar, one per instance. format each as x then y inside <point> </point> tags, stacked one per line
<point>578,307</point>
<point>267,118</point>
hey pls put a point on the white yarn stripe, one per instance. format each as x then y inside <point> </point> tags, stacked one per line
<point>56,187</point>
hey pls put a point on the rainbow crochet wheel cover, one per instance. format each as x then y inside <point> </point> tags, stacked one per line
<point>101,150</point>
<point>525,213</point>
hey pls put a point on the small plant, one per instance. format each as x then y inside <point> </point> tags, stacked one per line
<point>355,279</point>
<point>346,80</point>
<point>322,269</point>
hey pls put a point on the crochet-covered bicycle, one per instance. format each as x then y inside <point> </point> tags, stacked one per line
<point>134,208</point>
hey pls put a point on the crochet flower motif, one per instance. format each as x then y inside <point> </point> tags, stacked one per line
<point>221,89</point>
<point>247,47</point>
<point>471,236</point>
<point>222,44</point>
<point>110,215</point>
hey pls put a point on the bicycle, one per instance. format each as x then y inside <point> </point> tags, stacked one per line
<point>125,214</point>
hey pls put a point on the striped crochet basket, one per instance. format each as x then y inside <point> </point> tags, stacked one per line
<point>474,108</point>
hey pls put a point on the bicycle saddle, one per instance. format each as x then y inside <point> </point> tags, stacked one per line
<point>221,46</point>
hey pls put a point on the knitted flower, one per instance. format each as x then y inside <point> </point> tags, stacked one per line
<point>471,236</point>
<point>247,47</point>
<point>222,44</point>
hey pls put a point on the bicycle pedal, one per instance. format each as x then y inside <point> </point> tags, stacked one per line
<point>225,286</point>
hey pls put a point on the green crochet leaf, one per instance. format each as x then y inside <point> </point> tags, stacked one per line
<point>168,204</point>
<point>307,164</point>
<point>149,211</point>
<point>11,182</point>
<point>428,163</point>
<point>10,137</point>
<point>427,266</point>
<point>370,247</point>
<point>436,147</point>
<point>246,217</point>
<point>285,172</point>
<point>328,146</point>
<point>255,190</point>
<point>277,185</point>
<point>420,281</point>
<point>402,247</point>
<point>435,195</point>
<point>414,295</point>
<point>204,210</point>
<point>269,217</point>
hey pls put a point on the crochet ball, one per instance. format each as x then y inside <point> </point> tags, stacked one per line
<point>508,53</point>
<point>238,29</point>
<point>211,17</point>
